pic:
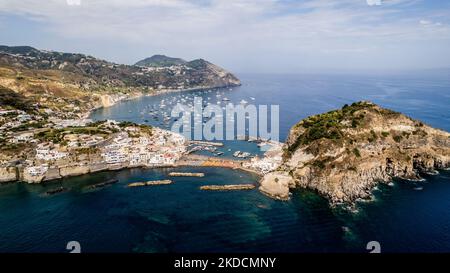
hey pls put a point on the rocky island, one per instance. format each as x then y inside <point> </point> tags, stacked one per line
<point>344,153</point>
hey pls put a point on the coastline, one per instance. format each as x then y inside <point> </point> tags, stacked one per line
<point>13,174</point>
<point>141,94</point>
<point>16,174</point>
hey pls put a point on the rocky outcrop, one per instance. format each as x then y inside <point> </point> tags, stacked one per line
<point>31,179</point>
<point>8,174</point>
<point>343,154</point>
<point>108,100</point>
<point>276,185</point>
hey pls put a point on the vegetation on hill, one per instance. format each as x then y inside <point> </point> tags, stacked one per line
<point>160,60</point>
<point>334,125</point>
<point>90,72</point>
<point>344,153</point>
<point>198,64</point>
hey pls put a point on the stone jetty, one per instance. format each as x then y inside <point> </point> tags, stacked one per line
<point>150,183</point>
<point>228,187</point>
<point>175,174</point>
<point>207,143</point>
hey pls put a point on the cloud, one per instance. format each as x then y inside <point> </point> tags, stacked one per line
<point>230,30</point>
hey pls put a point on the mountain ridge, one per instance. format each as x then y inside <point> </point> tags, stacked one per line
<point>95,71</point>
<point>58,80</point>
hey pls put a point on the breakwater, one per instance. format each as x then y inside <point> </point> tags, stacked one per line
<point>228,187</point>
<point>150,183</point>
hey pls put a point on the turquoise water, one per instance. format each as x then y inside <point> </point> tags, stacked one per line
<point>182,218</point>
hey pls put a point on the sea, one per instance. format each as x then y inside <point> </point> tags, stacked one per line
<point>180,218</point>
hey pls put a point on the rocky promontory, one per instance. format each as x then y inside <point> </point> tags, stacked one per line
<point>344,153</point>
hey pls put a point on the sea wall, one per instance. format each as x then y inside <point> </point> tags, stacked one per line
<point>74,170</point>
<point>14,174</point>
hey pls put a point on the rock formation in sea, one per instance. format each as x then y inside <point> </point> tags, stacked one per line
<point>344,153</point>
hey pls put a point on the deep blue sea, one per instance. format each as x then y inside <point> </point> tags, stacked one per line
<point>181,218</point>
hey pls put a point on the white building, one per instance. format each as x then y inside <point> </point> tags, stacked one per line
<point>46,154</point>
<point>114,157</point>
<point>36,170</point>
<point>25,137</point>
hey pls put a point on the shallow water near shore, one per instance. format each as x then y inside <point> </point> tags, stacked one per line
<point>182,218</point>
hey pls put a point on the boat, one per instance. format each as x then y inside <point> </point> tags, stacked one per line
<point>243,102</point>
<point>240,154</point>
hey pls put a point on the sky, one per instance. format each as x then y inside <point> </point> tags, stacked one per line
<point>254,36</point>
